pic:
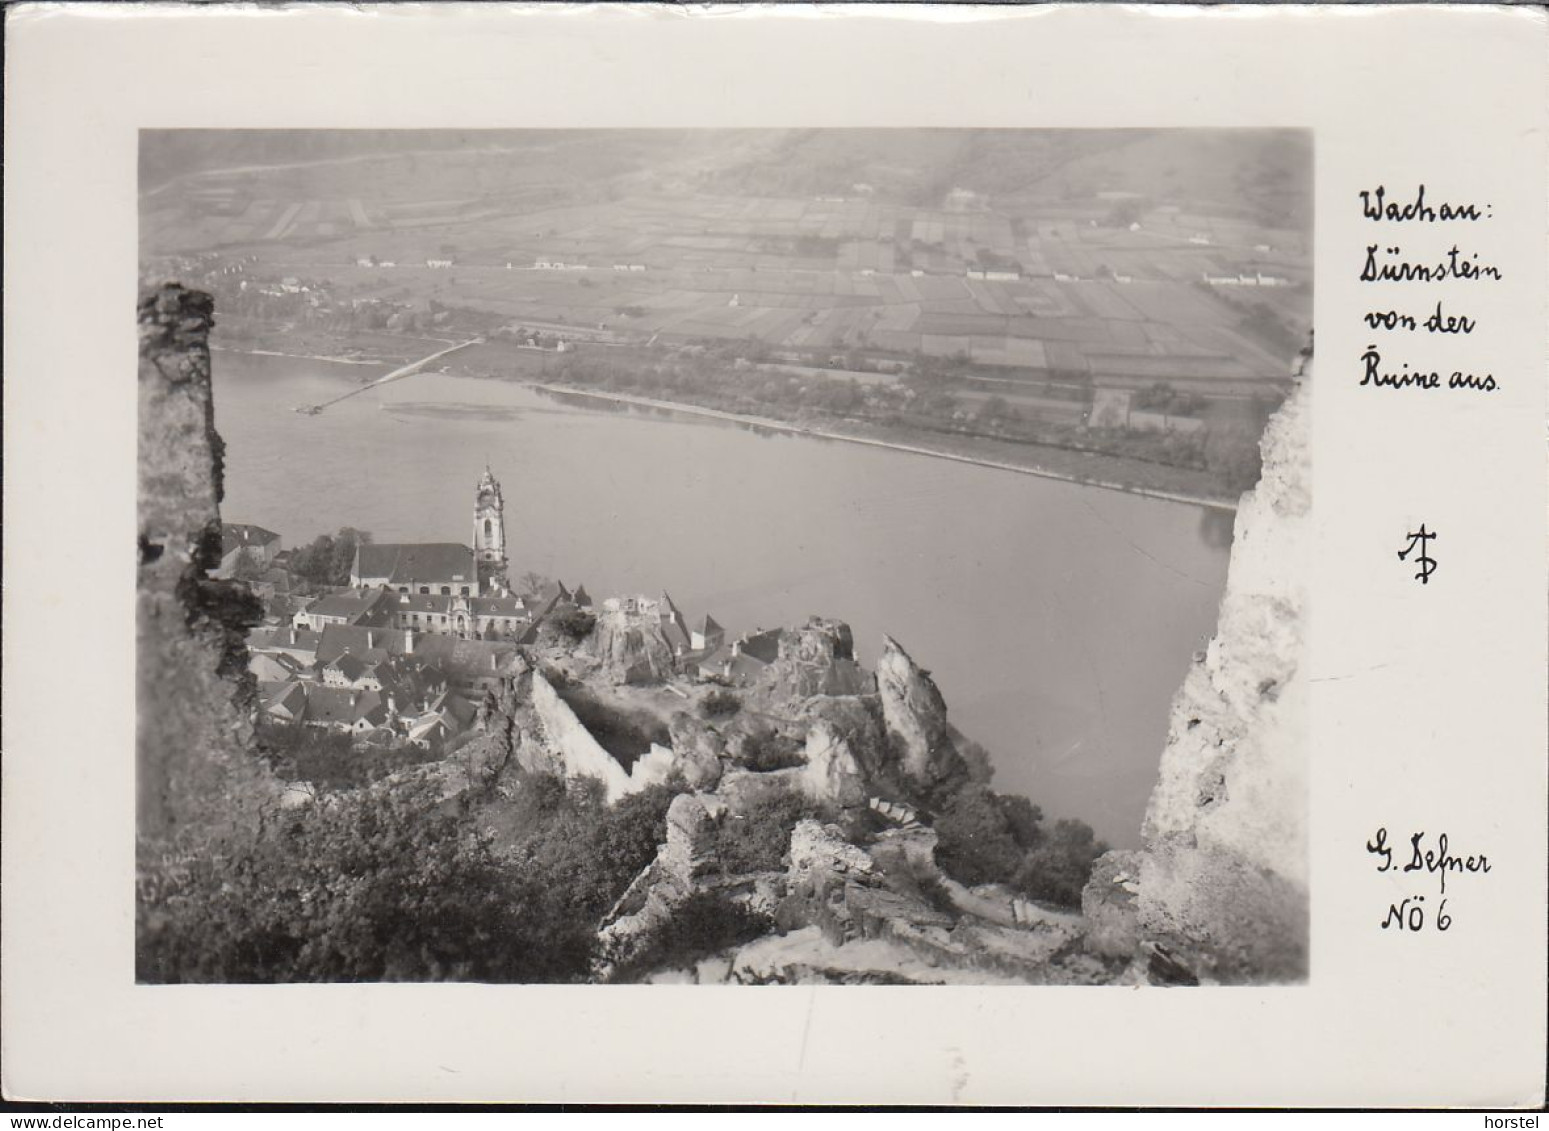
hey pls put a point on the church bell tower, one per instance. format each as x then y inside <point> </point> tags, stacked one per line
<point>489,527</point>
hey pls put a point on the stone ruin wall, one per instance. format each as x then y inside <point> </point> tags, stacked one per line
<point>1221,882</point>
<point>194,695</point>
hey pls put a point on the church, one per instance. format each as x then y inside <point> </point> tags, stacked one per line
<point>449,589</point>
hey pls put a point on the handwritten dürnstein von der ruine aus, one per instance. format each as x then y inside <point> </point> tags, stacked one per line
<point>1445,267</point>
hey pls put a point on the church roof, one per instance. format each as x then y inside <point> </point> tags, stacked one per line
<point>405,562</point>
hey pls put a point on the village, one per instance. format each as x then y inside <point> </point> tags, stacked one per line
<point>406,653</point>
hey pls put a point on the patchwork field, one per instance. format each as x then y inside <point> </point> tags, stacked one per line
<point>1058,272</point>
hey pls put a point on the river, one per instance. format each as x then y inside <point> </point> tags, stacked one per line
<point>1057,619</point>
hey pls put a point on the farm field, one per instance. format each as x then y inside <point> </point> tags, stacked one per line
<point>1002,265</point>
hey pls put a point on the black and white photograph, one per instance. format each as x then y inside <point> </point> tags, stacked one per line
<point>770,556</point>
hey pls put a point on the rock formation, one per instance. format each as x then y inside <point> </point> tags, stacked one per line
<point>915,717</point>
<point>681,866</point>
<point>190,629</point>
<point>1223,875</point>
<point>697,751</point>
<point>631,649</point>
<point>816,659</point>
<point>833,773</point>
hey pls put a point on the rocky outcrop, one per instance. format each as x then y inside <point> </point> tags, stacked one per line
<point>915,717</point>
<point>682,865</point>
<point>852,897</point>
<point>192,757</point>
<point>816,659</point>
<point>857,719</point>
<point>631,649</point>
<point>1108,904</point>
<point>697,751</point>
<point>833,772</point>
<point>1223,875</point>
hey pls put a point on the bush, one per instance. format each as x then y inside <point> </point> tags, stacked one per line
<point>383,886</point>
<point>720,704</point>
<point>397,885</point>
<point>975,843</point>
<point>765,749</point>
<point>577,624</point>
<point>1059,868</point>
<point>757,841</point>
<point>702,925</point>
<point>986,838</point>
<point>328,759</point>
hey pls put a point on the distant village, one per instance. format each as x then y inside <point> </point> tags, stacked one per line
<point>409,650</point>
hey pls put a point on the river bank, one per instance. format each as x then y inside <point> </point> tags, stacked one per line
<point>1091,469</point>
<point>859,436</point>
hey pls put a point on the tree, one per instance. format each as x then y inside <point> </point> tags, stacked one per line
<point>1059,868</point>
<point>248,566</point>
<point>574,623</point>
<point>720,703</point>
<point>975,844</point>
<point>1232,452</point>
<point>328,559</point>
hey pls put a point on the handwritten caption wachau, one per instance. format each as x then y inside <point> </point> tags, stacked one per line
<point>1445,268</point>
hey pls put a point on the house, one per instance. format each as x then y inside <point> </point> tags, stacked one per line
<point>472,667</point>
<point>763,646</point>
<point>736,668</point>
<point>275,667</point>
<point>431,721</point>
<point>363,608</point>
<point>581,598</point>
<point>676,638</point>
<point>371,645</point>
<point>241,540</point>
<point>284,703</point>
<point>343,671</point>
<point>492,617</point>
<point>707,635</point>
<point>416,567</point>
<point>343,709</point>
<point>439,263</point>
<point>300,644</point>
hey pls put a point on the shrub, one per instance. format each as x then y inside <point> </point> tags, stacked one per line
<point>975,844</point>
<point>704,924</point>
<point>720,704</point>
<point>757,841</point>
<point>576,624</point>
<point>765,749</point>
<point>1059,868</point>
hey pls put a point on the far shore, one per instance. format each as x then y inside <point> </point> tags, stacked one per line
<point>893,445</point>
<point>802,430</point>
<point>300,356</point>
